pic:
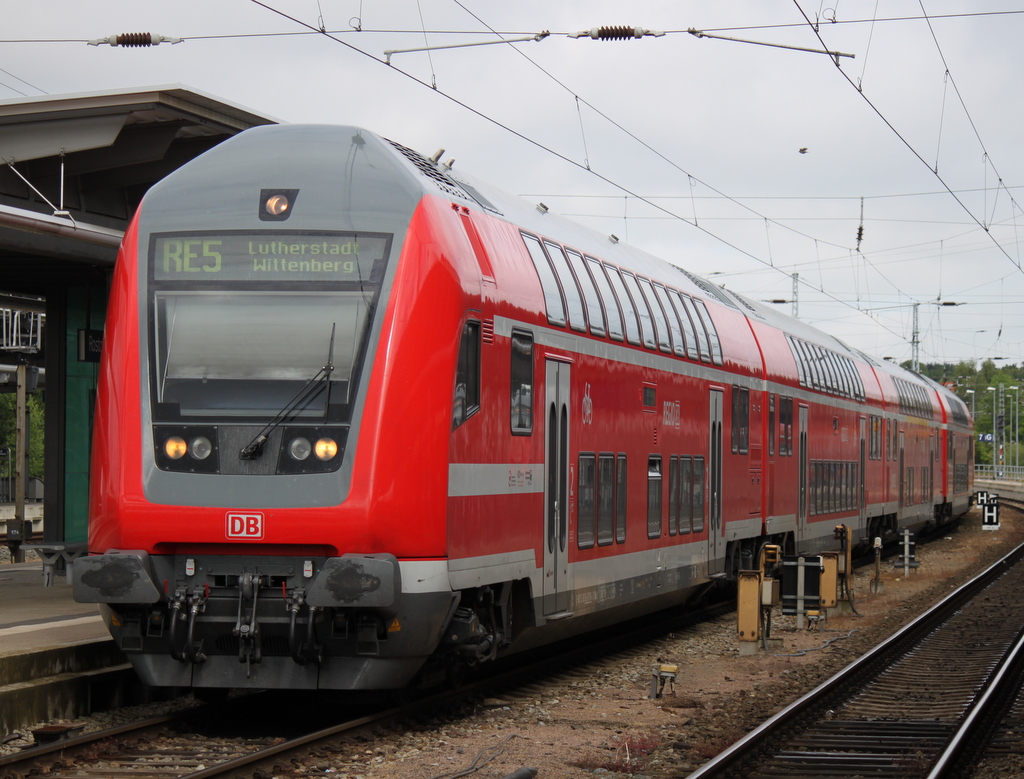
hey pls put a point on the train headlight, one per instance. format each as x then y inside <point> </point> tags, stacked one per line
<point>200,447</point>
<point>276,205</point>
<point>299,448</point>
<point>175,447</point>
<point>326,448</point>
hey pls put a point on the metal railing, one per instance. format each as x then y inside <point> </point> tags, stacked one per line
<point>1008,472</point>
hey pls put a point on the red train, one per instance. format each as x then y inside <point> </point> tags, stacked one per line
<point>359,415</point>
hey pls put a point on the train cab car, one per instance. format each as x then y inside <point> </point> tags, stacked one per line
<point>361,417</point>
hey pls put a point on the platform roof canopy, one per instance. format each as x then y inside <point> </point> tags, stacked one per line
<point>113,147</point>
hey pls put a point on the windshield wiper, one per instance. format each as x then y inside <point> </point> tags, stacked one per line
<point>254,448</point>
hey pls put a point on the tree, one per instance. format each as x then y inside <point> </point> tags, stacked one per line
<point>8,432</point>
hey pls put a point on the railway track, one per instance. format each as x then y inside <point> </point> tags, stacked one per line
<point>919,705</point>
<point>197,744</point>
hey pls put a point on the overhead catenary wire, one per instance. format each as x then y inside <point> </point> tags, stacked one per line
<point>565,158</point>
<point>694,193</point>
<point>913,150</point>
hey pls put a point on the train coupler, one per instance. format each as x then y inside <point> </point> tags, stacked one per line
<point>247,628</point>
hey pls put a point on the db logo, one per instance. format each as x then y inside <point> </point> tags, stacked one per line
<point>244,524</point>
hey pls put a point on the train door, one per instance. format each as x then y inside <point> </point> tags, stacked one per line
<point>556,488</point>
<point>862,501</point>
<point>902,475</point>
<point>801,510</point>
<point>716,537</point>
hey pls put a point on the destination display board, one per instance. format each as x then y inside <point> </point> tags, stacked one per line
<point>269,256</point>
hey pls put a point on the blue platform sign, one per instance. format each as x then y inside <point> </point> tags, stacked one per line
<point>986,437</point>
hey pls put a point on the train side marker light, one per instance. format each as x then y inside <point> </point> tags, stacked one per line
<point>395,626</point>
<point>307,569</point>
<point>326,448</point>
<point>190,567</point>
<point>175,447</point>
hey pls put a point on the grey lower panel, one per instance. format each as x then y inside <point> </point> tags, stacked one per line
<point>279,673</point>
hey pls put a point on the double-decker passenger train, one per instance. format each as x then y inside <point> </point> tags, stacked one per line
<point>359,415</point>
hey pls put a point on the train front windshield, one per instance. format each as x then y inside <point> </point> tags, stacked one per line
<point>243,324</point>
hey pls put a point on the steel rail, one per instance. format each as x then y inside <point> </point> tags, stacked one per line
<point>731,758</point>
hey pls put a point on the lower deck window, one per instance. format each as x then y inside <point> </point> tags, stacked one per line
<point>654,497</point>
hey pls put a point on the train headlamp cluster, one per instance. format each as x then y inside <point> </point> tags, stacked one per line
<point>300,448</point>
<point>309,450</point>
<point>191,449</point>
<point>199,448</point>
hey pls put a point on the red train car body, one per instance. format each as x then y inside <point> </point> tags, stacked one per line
<point>359,415</point>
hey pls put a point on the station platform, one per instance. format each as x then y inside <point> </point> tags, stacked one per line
<point>57,660</point>
<point>34,616</point>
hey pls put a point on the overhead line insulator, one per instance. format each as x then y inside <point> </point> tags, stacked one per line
<point>620,33</point>
<point>134,40</point>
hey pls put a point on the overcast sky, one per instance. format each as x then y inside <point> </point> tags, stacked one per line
<point>693,144</point>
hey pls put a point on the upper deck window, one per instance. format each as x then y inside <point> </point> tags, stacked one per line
<point>646,322</point>
<point>553,302</point>
<point>664,339</point>
<point>628,311</point>
<point>611,303</point>
<point>573,299</point>
<point>590,295</point>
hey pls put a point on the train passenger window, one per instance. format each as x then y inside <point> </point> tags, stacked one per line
<point>672,319</point>
<point>611,305</point>
<point>841,385</point>
<point>848,370</point>
<point>805,357</point>
<point>654,496</point>
<point>673,495</point>
<point>522,383</point>
<point>661,324</point>
<point>838,381</point>
<point>740,419</point>
<point>586,514</point>
<point>801,363</point>
<point>771,425</point>
<point>698,494</point>
<point>685,494</point>
<point>605,498</point>
<point>571,290</point>
<point>789,427</point>
<point>709,325</point>
<point>467,375</point>
<point>620,499</point>
<point>548,283</point>
<point>628,312</point>
<point>817,367</point>
<point>844,375</point>
<point>698,326</point>
<point>684,320</point>
<point>594,313</point>
<point>646,322</point>
<point>813,488</point>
